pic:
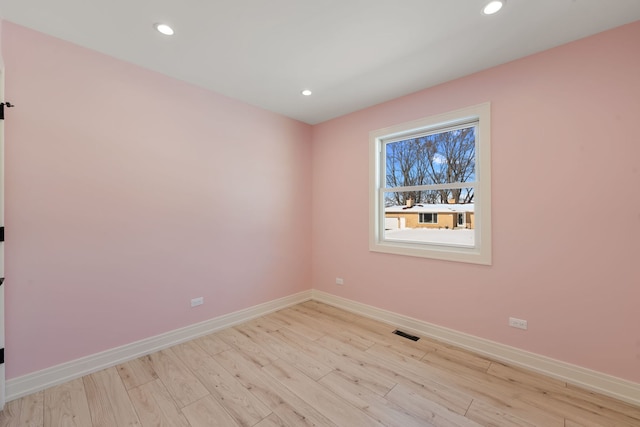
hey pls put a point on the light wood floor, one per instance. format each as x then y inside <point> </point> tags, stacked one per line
<point>313,364</point>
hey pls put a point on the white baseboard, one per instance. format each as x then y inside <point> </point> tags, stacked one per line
<point>591,380</point>
<point>34,382</point>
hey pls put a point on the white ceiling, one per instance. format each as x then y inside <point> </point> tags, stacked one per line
<point>351,53</point>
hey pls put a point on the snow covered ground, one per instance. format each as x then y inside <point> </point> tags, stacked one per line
<point>463,237</point>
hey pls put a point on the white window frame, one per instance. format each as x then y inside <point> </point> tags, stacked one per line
<point>480,253</point>
<point>433,216</point>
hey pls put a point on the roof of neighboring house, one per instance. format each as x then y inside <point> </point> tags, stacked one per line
<point>431,208</point>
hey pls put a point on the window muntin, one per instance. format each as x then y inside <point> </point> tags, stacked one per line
<point>430,187</point>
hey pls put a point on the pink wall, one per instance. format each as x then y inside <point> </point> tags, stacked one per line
<point>129,193</point>
<point>566,211</point>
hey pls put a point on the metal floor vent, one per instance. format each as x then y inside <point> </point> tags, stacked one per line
<point>406,335</point>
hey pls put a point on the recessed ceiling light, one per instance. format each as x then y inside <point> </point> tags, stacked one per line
<point>493,7</point>
<point>306,92</point>
<point>164,29</point>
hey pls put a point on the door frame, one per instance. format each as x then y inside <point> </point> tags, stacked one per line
<point>2,364</point>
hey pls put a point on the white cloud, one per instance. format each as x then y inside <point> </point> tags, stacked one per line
<point>439,159</point>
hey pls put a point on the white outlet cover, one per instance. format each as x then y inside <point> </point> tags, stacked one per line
<point>518,323</point>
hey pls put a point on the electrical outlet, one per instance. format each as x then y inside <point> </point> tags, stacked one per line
<point>339,281</point>
<point>517,323</point>
<point>197,301</point>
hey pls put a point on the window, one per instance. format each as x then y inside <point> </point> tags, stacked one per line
<point>428,218</point>
<point>433,177</point>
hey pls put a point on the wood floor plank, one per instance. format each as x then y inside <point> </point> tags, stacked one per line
<point>370,403</point>
<point>136,372</point>
<point>382,368</point>
<point>352,338</point>
<point>527,379</point>
<point>340,361</point>
<point>382,334</point>
<point>329,404</point>
<point>350,333</point>
<point>32,413</point>
<point>183,386</point>
<point>596,402</point>
<point>524,404</point>
<point>551,401</point>
<point>271,421</point>
<point>292,410</point>
<point>444,364</point>
<point>307,364</point>
<point>265,324</point>
<point>584,407</point>
<point>467,382</point>
<point>455,400</point>
<point>490,416</point>
<point>335,327</point>
<point>240,341</point>
<point>457,357</point>
<point>10,415</point>
<point>213,344</point>
<point>207,412</point>
<point>108,400</point>
<point>27,411</point>
<point>593,420</point>
<point>66,405</point>
<point>241,405</point>
<point>156,407</point>
<point>320,321</point>
<point>426,409</point>
<point>574,411</point>
<point>335,312</point>
<point>289,320</point>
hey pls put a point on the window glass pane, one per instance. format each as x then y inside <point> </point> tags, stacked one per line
<point>441,217</point>
<point>428,218</point>
<point>437,158</point>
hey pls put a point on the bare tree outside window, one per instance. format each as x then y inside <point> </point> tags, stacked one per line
<point>439,158</point>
